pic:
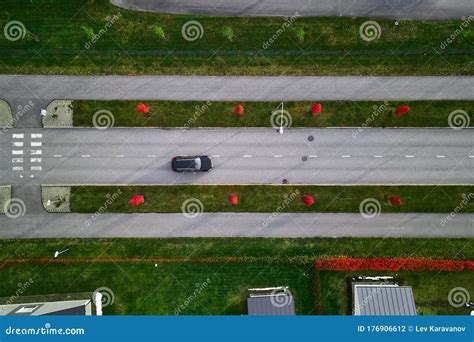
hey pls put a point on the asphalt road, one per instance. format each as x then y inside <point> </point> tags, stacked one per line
<point>235,225</point>
<point>303,156</point>
<point>397,9</point>
<point>270,88</point>
<point>35,92</point>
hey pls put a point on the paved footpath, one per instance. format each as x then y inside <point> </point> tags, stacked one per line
<point>236,225</point>
<point>396,9</point>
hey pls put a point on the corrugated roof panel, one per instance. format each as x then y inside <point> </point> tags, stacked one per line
<point>379,300</point>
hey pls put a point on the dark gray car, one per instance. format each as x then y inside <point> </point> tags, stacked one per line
<point>191,164</point>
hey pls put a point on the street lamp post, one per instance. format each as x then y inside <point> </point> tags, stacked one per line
<point>281,119</point>
<point>57,253</point>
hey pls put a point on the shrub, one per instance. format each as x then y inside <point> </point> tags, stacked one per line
<point>159,31</point>
<point>300,34</point>
<point>228,33</point>
<point>89,31</point>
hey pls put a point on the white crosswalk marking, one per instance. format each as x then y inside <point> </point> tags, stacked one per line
<point>36,135</point>
<point>18,168</point>
<point>18,135</point>
<point>18,143</point>
<point>36,143</point>
<point>17,160</point>
<point>35,160</point>
<point>35,168</point>
<point>36,152</point>
<point>17,152</point>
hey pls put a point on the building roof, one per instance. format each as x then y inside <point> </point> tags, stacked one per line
<point>271,305</point>
<point>382,299</point>
<point>70,308</point>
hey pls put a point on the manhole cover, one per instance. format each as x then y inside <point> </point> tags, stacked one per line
<point>310,138</point>
<point>305,158</point>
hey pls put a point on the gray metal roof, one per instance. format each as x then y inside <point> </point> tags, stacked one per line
<point>381,300</point>
<point>75,307</point>
<point>271,305</point>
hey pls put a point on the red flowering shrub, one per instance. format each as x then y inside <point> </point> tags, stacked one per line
<point>395,200</point>
<point>143,108</point>
<point>136,200</point>
<point>308,200</point>
<point>316,109</point>
<point>233,199</point>
<point>402,110</point>
<point>239,110</point>
<point>391,264</point>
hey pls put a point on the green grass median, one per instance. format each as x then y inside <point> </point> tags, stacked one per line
<point>272,198</point>
<point>99,38</point>
<point>191,114</point>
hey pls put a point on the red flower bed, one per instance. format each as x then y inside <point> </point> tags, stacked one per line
<point>389,264</point>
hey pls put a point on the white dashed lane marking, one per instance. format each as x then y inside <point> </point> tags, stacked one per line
<point>378,156</point>
<point>409,156</point>
<point>439,156</point>
<point>278,156</point>
<point>313,156</point>
<point>151,156</point>
<point>346,156</point>
<point>86,156</point>
<point>119,156</point>
<point>247,156</point>
<point>57,156</point>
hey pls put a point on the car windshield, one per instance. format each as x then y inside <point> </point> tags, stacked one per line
<point>198,163</point>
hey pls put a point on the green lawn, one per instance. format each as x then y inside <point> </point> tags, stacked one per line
<point>270,198</point>
<point>132,42</point>
<point>430,290</point>
<point>215,285</point>
<point>257,114</point>
<point>300,251</point>
<point>167,289</point>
